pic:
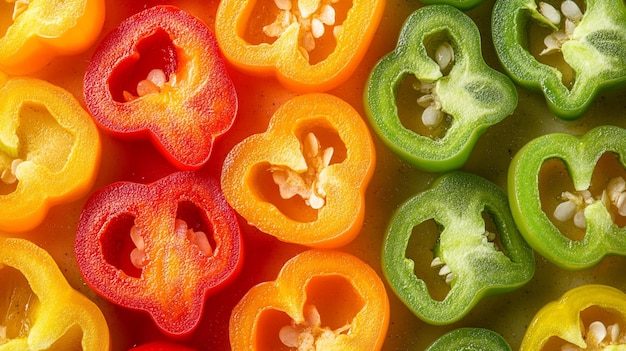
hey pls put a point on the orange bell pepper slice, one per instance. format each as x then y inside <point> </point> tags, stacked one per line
<point>49,151</point>
<point>328,300</point>
<point>44,29</point>
<point>310,45</point>
<point>303,180</point>
<point>39,308</point>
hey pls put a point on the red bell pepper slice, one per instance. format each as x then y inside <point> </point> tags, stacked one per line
<point>160,74</point>
<point>161,346</point>
<point>162,247</point>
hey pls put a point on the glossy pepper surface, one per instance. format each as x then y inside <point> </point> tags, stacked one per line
<point>588,317</point>
<point>592,45</point>
<point>49,151</point>
<point>160,74</point>
<point>39,305</point>
<point>327,300</point>
<point>309,45</point>
<point>594,208</point>
<point>463,96</point>
<point>303,180</point>
<point>44,29</point>
<point>162,248</point>
<point>473,260</point>
<point>470,339</point>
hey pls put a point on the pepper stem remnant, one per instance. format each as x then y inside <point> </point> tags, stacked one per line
<point>311,15</point>
<point>305,336</point>
<point>307,185</point>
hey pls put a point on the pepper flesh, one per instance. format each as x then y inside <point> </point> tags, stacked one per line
<point>49,309</point>
<point>352,305</point>
<point>465,253</point>
<point>578,319</point>
<point>603,236</point>
<point>473,94</point>
<point>44,29</point>
<point>595,51</point>
<point>49,151</point>
<point>470,339</point>
<point>196,102</point>
<point>159,222</point>
<point>299,193</point>
<point>284,56</point>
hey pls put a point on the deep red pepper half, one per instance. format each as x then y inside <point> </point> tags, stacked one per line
<point>162,247</point>
<point>160,74</point>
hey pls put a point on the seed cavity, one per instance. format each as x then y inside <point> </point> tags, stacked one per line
<point>308,184</point>
<point>564,23</point>
<point>138,255</point>
<point>155,81</point>
<point>9,175</point>
<point>307,336</point>
<point>313,17</point>
<point>573,205</point>
<point>598,336</point>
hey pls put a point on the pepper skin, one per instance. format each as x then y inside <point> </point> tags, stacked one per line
<point>303,180</point>
<point>286,42</point>
<point>472,94</point>
<point>328,300</point>
<point>162,248</point>
<point>580,154</point>
<point>160,74</point>
<point>44,29</point>
<point>36,294</point>
<point>49,151</point>
<point>470,339</point>
<point>162,346</point>
<point>578,319</point>
<point>466,254</point>
<point>595,51</point>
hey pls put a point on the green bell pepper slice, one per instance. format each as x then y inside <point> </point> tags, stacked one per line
<point>594,47</point>
<point>579,154</point>
<point>472,95</point>
<point>463,5</point>
<point>473,263</point>
<point>470,339</point>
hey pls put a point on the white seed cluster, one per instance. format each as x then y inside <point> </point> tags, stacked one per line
<point>433,115</point>
<point>138,255</point>
<point>19,7</point>
<point>572,16</point>
<point>598,336</point>
<point>307,185</point>
<point>154,82</point>
<point>311,15</point>
<point>8,175</point>
<point>305,336</point>
<point>573,205</point>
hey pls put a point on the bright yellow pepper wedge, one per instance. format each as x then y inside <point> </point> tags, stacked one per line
<point>49,151</point>
<point>40,310</point>
<point>44,29</point>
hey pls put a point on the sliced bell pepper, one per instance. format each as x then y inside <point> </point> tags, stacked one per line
<point>160,74</point>
<point>591,44</point>
<point>470,339</point>
<point>44,29</point>
<point>588,317</point>
<point>162,248</point>
<point>303,181</point>
<point>309,45</point>
<point>321,300</point>
<point>49,151</point>
<point>595,209</point>
<point>473,260</point>
<point>460,95</point>
<point>40,310</point>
